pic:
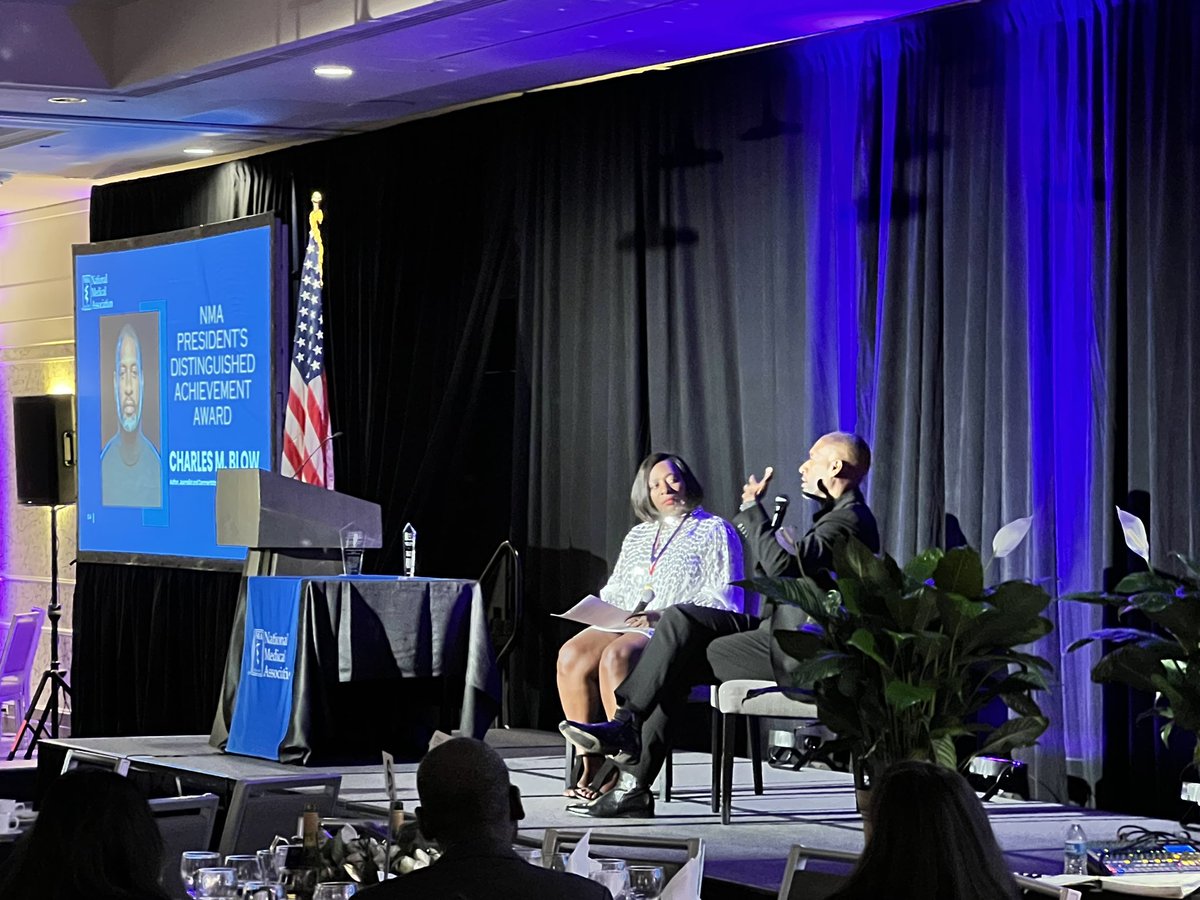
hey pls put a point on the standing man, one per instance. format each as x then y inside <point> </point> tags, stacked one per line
<point>693,644</point>
<point>130,467</point>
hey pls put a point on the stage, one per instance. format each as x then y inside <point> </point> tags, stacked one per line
<point>813,807</point>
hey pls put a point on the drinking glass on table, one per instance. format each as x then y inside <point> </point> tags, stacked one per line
<point>267,866</point>
<point>216,883</point>
<point>335,890</point>
<point>557,861</point>
<point>245,867</point>
<point>263,890</point>
<point>191,862</point>
<point>612,873</point>
<point>645,883</point>
<point>531,855</point>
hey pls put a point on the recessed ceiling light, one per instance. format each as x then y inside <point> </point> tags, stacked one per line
<point>333,71</point>
<point>68,100</point>
<point>198,151</point>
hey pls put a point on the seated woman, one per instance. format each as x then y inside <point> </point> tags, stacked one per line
<point>94,837</point>
<point>678,554</point>
<point>929,838</point>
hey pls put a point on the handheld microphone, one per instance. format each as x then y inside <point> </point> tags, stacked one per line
<point>643,602</point>
<point>781,507</point>
<point>300,469</point>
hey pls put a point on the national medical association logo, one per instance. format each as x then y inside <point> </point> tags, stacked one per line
<point>268,655</point>
<point>95,292</point>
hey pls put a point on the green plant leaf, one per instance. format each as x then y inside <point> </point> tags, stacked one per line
<point>960,572</point>
<point>1022,704</point>
<point>944,753</point>
<point>811,671</point>
<point>1095,597</point>
<point>922,566</point>
<point>864,642</point>
<point>1181,617</point>
<point>1142,581</point>
<point>1020,600</point>
<point>901,695</point>
<point>1165,732</point>
<point>954,609</point>
<point>1022,731</point>
<point>1128,664</point>
<point>801,592</point>
<point>1118,636</point>
<point>802,643</point>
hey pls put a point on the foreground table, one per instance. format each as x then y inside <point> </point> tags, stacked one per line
<point>298,644</point>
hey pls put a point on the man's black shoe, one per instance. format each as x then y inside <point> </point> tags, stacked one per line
<point>621,740</point>
<point>619,803</point>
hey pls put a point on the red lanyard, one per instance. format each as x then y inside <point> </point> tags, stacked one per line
<point>655,553</point>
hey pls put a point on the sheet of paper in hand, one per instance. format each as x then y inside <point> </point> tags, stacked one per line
<point>591,610</point>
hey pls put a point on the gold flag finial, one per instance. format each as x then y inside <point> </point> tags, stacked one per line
<point>315,218</point>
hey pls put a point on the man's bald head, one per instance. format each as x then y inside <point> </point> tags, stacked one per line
<point>853,452</point>
<point>837,462</point>
<point>465,792</point>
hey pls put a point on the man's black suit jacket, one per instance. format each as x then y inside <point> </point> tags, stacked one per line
<point>835,522</point>
<point>486,873</point>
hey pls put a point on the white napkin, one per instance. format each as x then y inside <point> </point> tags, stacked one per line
<point>686,883</point>
<point>578,862</point>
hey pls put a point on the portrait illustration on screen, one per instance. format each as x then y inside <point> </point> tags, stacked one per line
<point>130,462</point>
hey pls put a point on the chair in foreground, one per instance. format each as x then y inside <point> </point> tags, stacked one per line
<point>16,660</point>
<point>670,853</point>
<point>752,700</point>
<point>77,758</point>
<point>262,808</point>
<point>802,880</point>
<point>186,823</point>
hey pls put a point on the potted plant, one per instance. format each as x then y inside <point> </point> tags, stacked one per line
<point>900,661</point>
<point>1164,662</point>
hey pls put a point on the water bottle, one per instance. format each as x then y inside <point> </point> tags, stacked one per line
<point>410,550</point>
<point>1075,851</point>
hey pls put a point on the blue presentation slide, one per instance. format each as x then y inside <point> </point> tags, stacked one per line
<point>173,372</point>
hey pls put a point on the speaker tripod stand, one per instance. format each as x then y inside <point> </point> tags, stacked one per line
<point>53,678</point>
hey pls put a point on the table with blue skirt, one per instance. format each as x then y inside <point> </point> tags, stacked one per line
<point>322,670</point>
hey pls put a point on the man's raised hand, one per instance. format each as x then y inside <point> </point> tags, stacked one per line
<point>753,488</point>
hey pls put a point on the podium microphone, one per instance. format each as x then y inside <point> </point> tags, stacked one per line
<point>300,469</point>
<point>781,505</point>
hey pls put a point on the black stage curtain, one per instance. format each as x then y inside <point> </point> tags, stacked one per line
<point>970,236</point>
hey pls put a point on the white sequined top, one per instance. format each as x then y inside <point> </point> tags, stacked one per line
<point>695,565</point>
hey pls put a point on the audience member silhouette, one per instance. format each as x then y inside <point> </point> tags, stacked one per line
<point>929,839</point>
<point>471,809</point>
<point>94,839</point>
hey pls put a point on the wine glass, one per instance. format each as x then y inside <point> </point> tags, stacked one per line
<point>263,890</point>
<point>216,883</point>
<point>612,873</point>
<point>559,861</point>
<point>645,883</point>
<point>335,890</point>
<point>245,867</point>
<point>191,862</point>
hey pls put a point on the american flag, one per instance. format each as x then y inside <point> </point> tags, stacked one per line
<point>306,423</point>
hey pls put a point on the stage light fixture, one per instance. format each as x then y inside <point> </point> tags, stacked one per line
<point>333,71</point>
